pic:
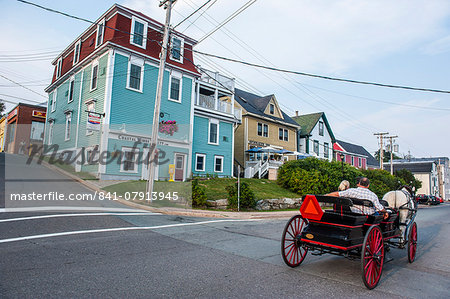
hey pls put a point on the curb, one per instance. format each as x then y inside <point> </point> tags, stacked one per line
<point>178,211</point>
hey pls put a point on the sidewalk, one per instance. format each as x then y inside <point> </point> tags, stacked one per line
<point>95,185</point>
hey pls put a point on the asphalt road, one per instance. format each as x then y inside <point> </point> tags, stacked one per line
<point>133,254</point>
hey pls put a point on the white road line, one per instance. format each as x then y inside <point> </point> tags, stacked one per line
<point>119,229</point>
<point>77,215</point>
<point>67,208</point>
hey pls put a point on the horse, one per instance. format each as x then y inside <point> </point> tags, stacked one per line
<point>403,201</point>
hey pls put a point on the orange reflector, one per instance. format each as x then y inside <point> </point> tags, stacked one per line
<point>310,208</point>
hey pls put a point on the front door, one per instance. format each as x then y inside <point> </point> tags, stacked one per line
<point>179,167</point>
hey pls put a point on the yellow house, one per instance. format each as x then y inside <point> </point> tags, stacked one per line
<point>2,132</point>
<point>264,125</point>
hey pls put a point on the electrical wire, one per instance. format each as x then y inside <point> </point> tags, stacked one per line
<point>23,86</point>
<point>199,16</point>
<point>193,13</point>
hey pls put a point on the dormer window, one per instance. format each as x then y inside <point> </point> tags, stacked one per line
<point>272,108</point>
<point>76,52</point>
<point>138,32</point>
<point>176,52</point>
<point>321,128</point>
<point>100,33</point>
<point>58,68</point>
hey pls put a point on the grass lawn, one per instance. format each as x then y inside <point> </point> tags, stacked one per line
<point>263,189</point>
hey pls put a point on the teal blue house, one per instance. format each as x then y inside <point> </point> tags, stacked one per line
<point>102,99</point>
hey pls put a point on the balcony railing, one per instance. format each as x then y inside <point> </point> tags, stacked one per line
<point>217,79</point>
<point>209,102</point>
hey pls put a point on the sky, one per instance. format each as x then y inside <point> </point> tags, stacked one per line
<point>393,42</point>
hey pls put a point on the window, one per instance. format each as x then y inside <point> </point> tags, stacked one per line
<point>175,89</point>
<point>129,160</point>
<point>359,162</point>
<point>37,130</point>
<point>265,130</point>
<point>218,164</point>
<point>58,68</point>
<point>260,129</point>
<point>94,76</point>
<point>100,32</point>
<point>326,149</point>
<point>176,52</point>
<point>213,131</point>
<point>71,86</point>
<point>90,107</point>
<point>138,32</point>
<point>280,133</point>
<point>68,125</point>
<point>316,147</point>
<point>286,135</point>
<point>50,132</point>
<point>11,132</point>
<point>272,109</point>
<point>200,162</point>
<point>54,101</point>
<point>135,72</point>
<point>321,128</point>
<point>76,52</point>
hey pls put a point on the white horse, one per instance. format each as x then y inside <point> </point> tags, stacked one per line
<point>402,200</point>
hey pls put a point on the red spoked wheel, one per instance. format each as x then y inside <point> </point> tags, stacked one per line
<point>372,257</point>
<point>291,250</point>
<point>412,242</point>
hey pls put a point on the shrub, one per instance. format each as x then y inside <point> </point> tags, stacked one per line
<point>247,197</point>
<point>198,194</point>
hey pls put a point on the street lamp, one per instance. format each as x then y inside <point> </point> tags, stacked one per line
<point>342,156</point>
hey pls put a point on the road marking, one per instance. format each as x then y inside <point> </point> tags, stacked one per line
<point>77,215</point>
<point>64,208</point>
<point>119,229</point>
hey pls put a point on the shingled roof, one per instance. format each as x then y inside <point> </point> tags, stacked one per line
<point>307,123</point>
<point>256,104</point>
<point>359,150</point>
<point>414,167</point>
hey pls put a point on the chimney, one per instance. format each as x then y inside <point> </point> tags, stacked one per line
<point>296,112</point>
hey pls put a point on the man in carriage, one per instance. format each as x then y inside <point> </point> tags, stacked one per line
<point>362,192</point>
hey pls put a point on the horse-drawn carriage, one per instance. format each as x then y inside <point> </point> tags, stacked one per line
<point>339,230</point>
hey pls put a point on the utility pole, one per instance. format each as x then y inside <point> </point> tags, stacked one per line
<point>162,62</point>
<point>391,149</point>
<point>381,155</point>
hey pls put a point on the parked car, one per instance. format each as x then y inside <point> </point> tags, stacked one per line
<point>422,199</point>
<point>440,199</point>
<point>433,200</point>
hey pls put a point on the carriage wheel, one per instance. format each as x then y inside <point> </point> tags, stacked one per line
<point>372,257</point>
<point>291,250</point>
<point>412,242</point>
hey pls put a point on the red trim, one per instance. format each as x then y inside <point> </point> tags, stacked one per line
<point>330,245</point>
<point>387,221</point>
<point>396,236</point>
<point>343,225</point>
<point>370,224</point>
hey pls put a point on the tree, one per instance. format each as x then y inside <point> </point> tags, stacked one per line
<point>2,108</point>
<point>408,178</point>
<point>387,156</point>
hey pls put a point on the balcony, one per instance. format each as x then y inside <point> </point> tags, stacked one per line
<point>210,102</point>
<point>216,79</point>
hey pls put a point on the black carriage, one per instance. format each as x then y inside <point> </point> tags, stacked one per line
<point>338,230</point>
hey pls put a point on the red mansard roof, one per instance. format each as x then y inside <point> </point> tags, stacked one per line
<point>120,19</point>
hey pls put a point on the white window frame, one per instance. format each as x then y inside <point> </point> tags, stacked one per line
<point>71,90</point>
<point>100,29</point>
<point>280,130</point>
<point>321,128</point>
<point>221,164</point>
<point>179,77</point>
<point>318,147</point>
<point>68,127</point>
<point>89,132</point>
<point>213,121</point>
<point>326,149</point>
<point>58,67</point>
<point>353,161</point>
<point>76,53</point>
<point>359,162</point>
<point>181,49</point>
<point>285,135</point>
<point>265,125</point>
<point>53,106</point>
<point>144,39</point>
<point>95,64</point>
<point>50,132</point>
<point>140,63</point>
<point>136,154</point>
<point>204,162</point>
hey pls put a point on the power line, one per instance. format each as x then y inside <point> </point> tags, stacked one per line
<point>235,14</point>
<point>195,11</point>
<point>23,86</point>
<point>321,76</point>
<point>199,16</point>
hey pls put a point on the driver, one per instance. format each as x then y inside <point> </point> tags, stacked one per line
<point>362,192</point>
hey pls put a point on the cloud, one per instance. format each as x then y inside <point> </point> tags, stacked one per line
<point>439,46</point>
